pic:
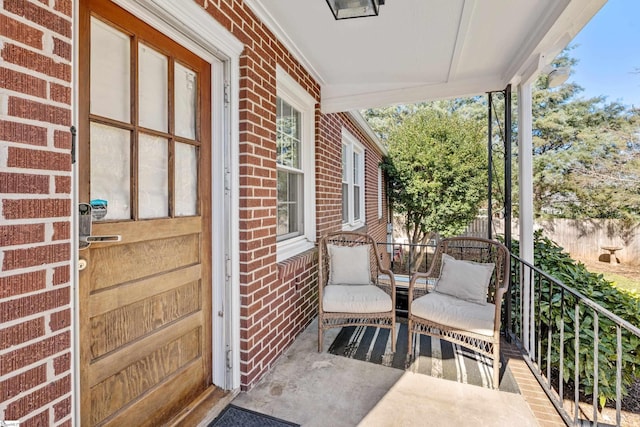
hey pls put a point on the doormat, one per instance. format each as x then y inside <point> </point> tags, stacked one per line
<point>432,356</point>
<point>235,416</point>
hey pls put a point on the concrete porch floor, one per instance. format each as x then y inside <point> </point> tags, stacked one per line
<point>321,389</point>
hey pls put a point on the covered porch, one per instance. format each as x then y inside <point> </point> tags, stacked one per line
<point>319,389</point>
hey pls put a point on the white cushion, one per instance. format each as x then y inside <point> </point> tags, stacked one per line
<point>467,280</point>
<point>455,313</point>
<point>349,265</point>
<point>355,299</point>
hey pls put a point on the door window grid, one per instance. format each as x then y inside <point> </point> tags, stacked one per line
<point>152,190</point>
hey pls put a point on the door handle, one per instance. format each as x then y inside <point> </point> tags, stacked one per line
<point>85,219</point>
<point>112,238</point>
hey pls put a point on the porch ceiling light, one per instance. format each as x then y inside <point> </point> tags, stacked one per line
<point>558,76</point>
<point>343,9</point>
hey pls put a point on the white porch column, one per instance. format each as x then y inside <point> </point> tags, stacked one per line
<point>525,179</point>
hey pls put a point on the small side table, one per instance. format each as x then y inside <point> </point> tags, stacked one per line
<point>612,253</point>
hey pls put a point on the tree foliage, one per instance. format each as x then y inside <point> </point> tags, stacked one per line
<point>586,154</point>
<point>586,150</point>
<point>437,170</point>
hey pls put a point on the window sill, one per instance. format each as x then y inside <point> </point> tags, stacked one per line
<point>292,247</point>
<point>353,227</point>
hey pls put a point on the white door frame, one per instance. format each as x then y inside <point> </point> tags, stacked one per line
<point>191,26</point>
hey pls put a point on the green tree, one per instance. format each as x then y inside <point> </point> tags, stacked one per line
<point>586,150</point>
<point>586,153</point>
<point>437,170</point>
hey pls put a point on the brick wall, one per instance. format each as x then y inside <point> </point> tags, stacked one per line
<point>329,177</point>
<point>275,299</point>
<point>35,210</point>
<point>279,300</point>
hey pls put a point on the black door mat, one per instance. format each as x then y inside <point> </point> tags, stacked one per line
<point>235,416</point>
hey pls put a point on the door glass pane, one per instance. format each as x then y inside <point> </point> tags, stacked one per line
<point>186,86</point>
<point>153,88</point>
<point>110,169</point>
<point>110,72</point>
<point>153,188</point>
<point>186,186</point>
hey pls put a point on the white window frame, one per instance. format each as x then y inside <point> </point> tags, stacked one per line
<point>351,146</point>
<point>296,96</point>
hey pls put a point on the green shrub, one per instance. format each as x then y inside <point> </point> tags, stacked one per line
<point>553,260</point>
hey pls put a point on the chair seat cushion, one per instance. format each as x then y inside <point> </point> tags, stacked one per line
<point>455,313</point>
<point>355,299</point>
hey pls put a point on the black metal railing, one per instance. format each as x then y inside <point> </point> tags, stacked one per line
<point>563,334</point>
<point>408,258</point>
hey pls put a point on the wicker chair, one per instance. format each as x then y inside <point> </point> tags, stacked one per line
<point>349,291</point>
<point>465,306</point>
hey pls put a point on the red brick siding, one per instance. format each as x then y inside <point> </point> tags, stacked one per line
<point>35,212</point>
<point>278,300</point>
<point>329,177</point>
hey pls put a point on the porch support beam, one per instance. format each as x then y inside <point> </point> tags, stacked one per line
<point>525,180</point>
<point>507,190</point>
<point>507,167</point>
<point>525,171</point>
<point>490,166</point>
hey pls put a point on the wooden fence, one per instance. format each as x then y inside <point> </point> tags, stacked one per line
<point>583,239</point>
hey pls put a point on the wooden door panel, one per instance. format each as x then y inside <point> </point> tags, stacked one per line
<point>117,328</point>
<point>133,292</point>
<point>122,388</point>
<point>153,410</point>
<point>113,265</point>
<point>140,231</point>
<point>106,366</point>
<point>145,301</point>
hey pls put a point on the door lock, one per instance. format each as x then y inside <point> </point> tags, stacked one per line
<point>85,220</point>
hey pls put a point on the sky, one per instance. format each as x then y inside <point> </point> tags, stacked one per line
<point>608,50</point>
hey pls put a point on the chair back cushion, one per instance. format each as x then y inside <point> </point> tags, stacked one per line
<point>466,280</point>
<point>349,265</point>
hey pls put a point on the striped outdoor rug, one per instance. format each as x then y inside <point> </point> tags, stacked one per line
<point>434,357</point>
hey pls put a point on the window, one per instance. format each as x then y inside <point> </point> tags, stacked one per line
<point>352,182</point>
<point>295,147</point>
<point>290,173</point>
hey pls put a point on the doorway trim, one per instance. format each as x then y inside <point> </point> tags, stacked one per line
<point>191,26</point>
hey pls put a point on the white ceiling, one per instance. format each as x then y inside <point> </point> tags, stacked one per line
<point>418,50</point>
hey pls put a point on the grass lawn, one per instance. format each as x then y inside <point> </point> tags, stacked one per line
<point>622,282</point>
